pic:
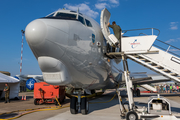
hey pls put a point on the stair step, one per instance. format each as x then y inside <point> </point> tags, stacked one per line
<point>154,65</point>
<point>166,70</point>
<point>149,62</point>
<point>159,67</point>
<point>146,61</point>
<point>173,74</point>
<point>136,56</point>
<point>142,59</point>
<point>178,77</point>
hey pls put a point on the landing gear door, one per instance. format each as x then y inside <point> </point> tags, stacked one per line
<point>105,16</point>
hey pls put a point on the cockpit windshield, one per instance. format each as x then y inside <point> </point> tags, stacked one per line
<point>66,15</point>
<point>73,15</point>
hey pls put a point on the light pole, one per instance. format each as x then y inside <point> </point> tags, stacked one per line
<point>22,31</point>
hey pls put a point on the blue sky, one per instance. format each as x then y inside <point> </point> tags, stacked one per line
<point>129,14</point>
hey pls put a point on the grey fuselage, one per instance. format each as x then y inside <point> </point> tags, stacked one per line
<point>70,52</point>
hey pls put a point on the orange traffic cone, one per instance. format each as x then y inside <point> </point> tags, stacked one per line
<point>25,97</point>
<point>22,98</point>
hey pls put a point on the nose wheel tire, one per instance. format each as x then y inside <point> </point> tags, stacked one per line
<point>131,115</point>
<point>84,106</point>
<point>73,105</point>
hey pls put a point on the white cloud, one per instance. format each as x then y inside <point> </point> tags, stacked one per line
<point>83,8</point>
<point>174,50</point>
<point>173,40</point>
<point>101,6</point>
<point>170,40</point>
<point>86,2</point>
<point>101,0</point>
<point>114,1</point>
<point>106,3</point>
<point>174,25</point>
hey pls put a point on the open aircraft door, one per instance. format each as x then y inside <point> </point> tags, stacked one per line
<point>104,20</point>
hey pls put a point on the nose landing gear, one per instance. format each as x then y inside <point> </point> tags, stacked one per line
<point>79,103</point>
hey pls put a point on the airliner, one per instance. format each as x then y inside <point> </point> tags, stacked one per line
<point>70,49</point>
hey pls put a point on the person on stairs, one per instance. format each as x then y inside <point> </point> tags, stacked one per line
<point>117,32</point>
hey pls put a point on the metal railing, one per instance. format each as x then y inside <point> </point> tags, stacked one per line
<point>152,31</point>
<point>170,49</point>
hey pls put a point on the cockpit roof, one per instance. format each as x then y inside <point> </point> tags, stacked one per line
<point>64,11</point>
<point>71,15</point>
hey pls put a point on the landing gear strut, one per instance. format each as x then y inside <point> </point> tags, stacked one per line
<point>79,103</point>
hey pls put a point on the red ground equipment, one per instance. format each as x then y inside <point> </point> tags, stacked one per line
<point>46,93</point>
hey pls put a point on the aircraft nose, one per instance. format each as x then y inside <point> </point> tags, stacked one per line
<point>35,32</point>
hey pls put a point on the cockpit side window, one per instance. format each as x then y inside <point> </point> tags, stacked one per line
<point>66,15</point>
<point>88,23</point>
<point>81,19</point>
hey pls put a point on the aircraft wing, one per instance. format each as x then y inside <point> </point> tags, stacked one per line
<point>143,78</point>
<point>38,78</point>
<point>150,79</point>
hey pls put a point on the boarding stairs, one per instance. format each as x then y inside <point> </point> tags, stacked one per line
<point>163,63</point>
<point>141,49</point>
<point>144,51</point>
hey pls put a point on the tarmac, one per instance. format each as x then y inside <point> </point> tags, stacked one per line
<point>101,111</point>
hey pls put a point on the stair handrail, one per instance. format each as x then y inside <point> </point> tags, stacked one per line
<point>168,44</point>
<point>167,50</point>
<point>125,31</point>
